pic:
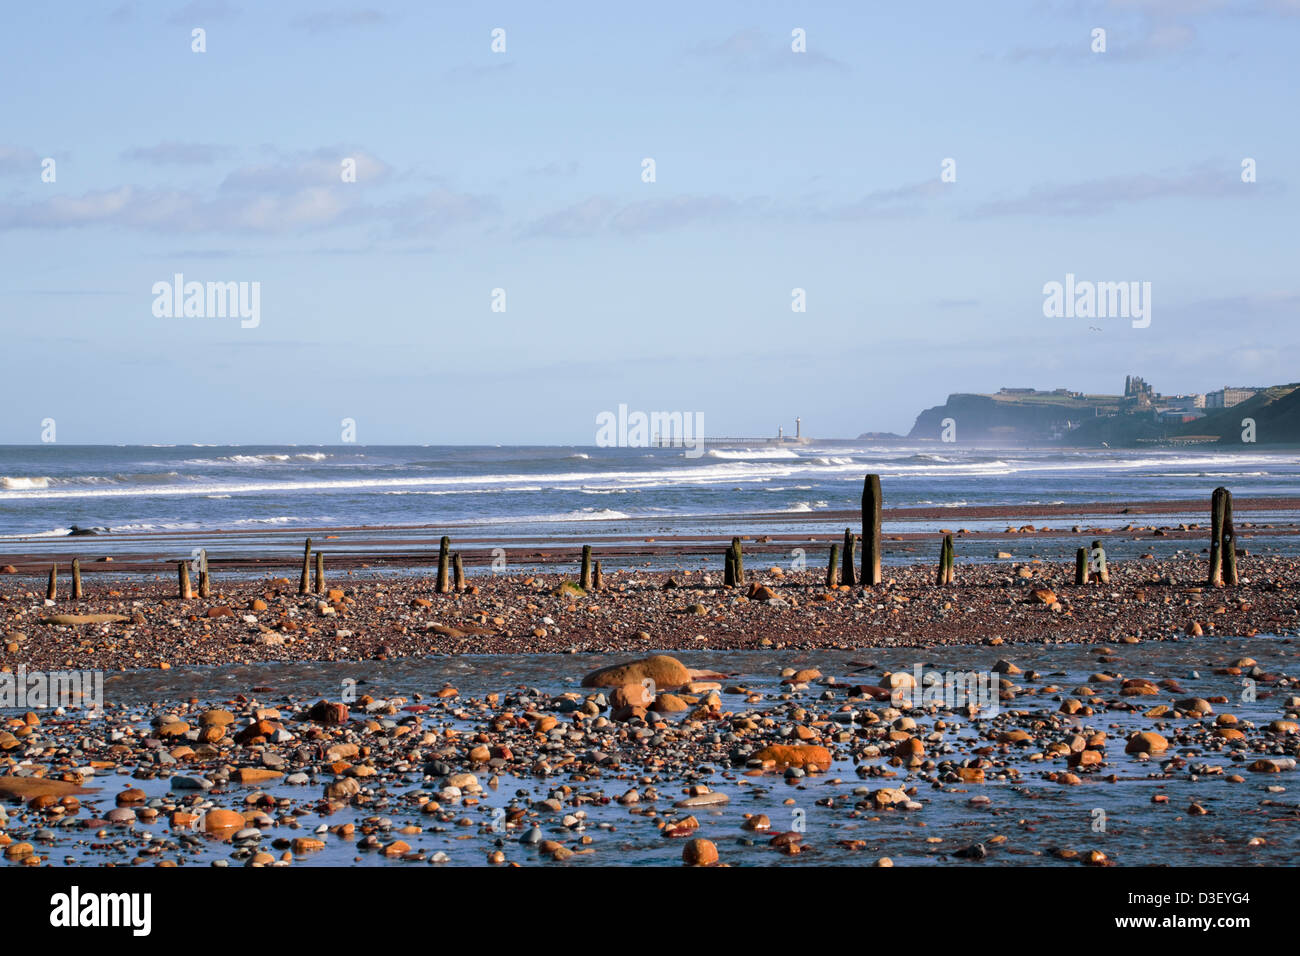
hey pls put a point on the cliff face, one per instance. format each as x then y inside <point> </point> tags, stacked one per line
<point>1275,411</point>
<point>1090,420</point>
<point>984,418</point>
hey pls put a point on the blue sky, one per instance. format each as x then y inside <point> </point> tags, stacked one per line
<point>522,170</point>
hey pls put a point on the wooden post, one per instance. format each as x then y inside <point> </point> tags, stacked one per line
<point>1217,505</point>
<point>319,583</point>
<point>458,572</point>
<point>598,579</point>
<point>306,562</point>
<point>729,568</point>
<point>1229,543</point>
<point>871,552</point>
<point>1102,573</point>
<point>52,589</point>
<point>833,567</point>
<point>946,561</point>
<point>738,562</point>
<point>444,557</point>
<point>76,579</point>
<point>1081,566</point>
<point>205,583</point>
<point>584,580</point>
<point>848,572</point>
<point>184,591</point>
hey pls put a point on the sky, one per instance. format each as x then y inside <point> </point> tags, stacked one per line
<point>523,169</point>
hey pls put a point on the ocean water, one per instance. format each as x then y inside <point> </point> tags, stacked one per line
<point>133,492</point>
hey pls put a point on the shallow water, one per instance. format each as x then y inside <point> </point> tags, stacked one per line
<point>1034,814</point>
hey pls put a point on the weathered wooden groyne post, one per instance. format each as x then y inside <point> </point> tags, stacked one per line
<point>444,565</point>
<point>76,579</point>
<point>833,567</point>
<point>598,578</point>
<point>947,561</point>
<point>1099,569</point>
<point>318,585</point>
<point>584,579</point>
<point>1081,566</point>
<point>205,582</point>
<point>1223,545</point>
<point>183,589</point>
<point>848,569</point>
<point>729,568</point>
<point>871,553</point>
<point>737,562</point>
<point>306,562</point>
<point>52,588</point>
<point>1229,542</point>
<point>457,572</point>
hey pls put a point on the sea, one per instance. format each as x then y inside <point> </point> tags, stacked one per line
<point>131,495</point>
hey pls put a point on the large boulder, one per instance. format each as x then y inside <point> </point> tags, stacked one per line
<point>802,756</point>
<point>666,672</point>
<point>1146,742</point>
<point>27,788</point>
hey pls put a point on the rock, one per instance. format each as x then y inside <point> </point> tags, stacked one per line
<point>71,619</point>
<point>216,718</point>
<point>1146,742</point>
<point>1138,687</point>
<point>711,799</point>
<point>699,852</point>
<point>329,713</point>
<point>344,788</point>
<point>666,672</point>
<point>19,851</point>
<point>668,704</point>
<point>630,695</point>
<point>887,797</point>
<point>252,775</point>
<point>803,756</point>
<point>26,788</point>
<point>223,822</point>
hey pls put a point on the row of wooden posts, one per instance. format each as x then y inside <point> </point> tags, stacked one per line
<point>1090,564</point>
